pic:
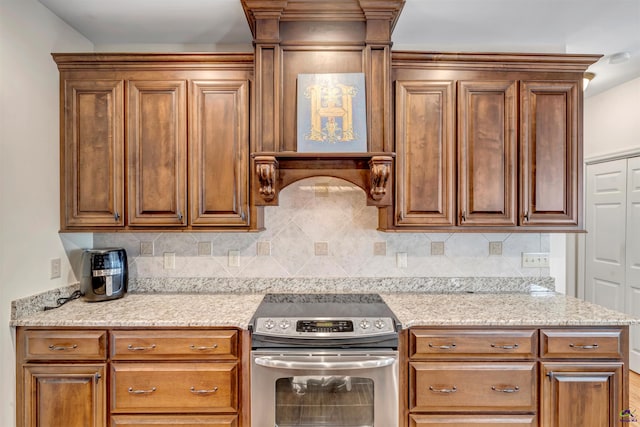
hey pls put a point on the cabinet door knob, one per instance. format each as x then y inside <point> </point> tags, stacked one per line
<point>116,216</point>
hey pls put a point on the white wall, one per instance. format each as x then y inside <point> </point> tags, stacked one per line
<point>29,173</point>
<point>611,122</point>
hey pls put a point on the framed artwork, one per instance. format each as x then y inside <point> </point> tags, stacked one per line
<point>332,115</point>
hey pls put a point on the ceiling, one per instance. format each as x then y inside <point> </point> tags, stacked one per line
<point>604,27</point>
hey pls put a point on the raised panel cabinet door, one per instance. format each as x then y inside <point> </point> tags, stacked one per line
<point>157,148</point>
<point>92,154</point>
<point>64,395</point>
<point>550,154</point>
<point>582,394</point>
<point>425,153</point>
<point>487,153</point>
<point>219,147</point>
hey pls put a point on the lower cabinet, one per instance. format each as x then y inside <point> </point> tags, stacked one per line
<point>174,420</point>
<point>128,377</point>
<point>473,420</point>
<point>551,377</point>
<point>64,395</point>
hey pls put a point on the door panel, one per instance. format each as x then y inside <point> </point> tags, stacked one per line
<point>633,258</point>
<point>549,166</point>
<point>93,155</point>
<point>157,153</point>
<point>425,147</point>
<point>605,219</point>
<point>219,141</point>
<point>487,153</point>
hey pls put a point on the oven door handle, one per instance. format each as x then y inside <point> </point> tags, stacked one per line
<point>357,364</point>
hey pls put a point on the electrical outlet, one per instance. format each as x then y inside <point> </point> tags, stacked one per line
<point>55,268</point>
<point>169,260</point>
<point>401,259</point>
<point>234,258</point>
<point>535,259</point>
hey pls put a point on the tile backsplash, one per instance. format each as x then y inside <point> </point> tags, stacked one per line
<point>323,228</point>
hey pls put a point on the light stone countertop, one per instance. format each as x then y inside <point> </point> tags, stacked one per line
<point>412,309</point>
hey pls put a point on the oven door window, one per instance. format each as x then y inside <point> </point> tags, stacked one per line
<point>324,401</point>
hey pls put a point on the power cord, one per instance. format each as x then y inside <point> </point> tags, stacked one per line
<point>63,300</point>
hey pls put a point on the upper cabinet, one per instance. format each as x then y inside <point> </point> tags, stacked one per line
<point>183,161</point>
<point>487,142</point>
<point>454,141</point>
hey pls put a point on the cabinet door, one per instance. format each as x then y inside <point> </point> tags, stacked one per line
<point>581,394</point>
<point>487,153</point>
<point>550,169</point>
<point>93,154</point>
<point>157,144</point>
<point>64,395</point>
<point>219,145</point>
<point>425,160</point>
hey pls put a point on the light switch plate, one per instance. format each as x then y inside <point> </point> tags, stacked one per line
<point>535,259</point>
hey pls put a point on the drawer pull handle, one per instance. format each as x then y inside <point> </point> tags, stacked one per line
<point>57,347</point>
<point>443,347</point>
<point>140,348</point>
<point>584,347</point>
<point>505,347</point>
<point>194,391</point>
<point>203,348</point>
<point>506,389</point>
<point>443,390</point>
<point>132,391</point>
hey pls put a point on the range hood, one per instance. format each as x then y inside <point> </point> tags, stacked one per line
<point>308,37</point>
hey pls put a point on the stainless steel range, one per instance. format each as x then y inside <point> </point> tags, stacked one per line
<point>324,360</point>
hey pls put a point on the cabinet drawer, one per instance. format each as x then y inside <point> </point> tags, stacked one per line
<point>174,387</point>
<point>435,343</point>
<point>175,344</point>
<point>472,386</point>
<point>576,343</point>
<point>473,420</point>
<point>174,420</point>
<point>67,345</point>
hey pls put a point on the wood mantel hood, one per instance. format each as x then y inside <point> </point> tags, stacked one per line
<point>309,36</point>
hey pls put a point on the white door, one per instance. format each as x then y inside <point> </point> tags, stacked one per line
<point>605,219</point>
<point>633,257</point>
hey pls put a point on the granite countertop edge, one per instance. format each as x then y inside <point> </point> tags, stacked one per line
<point>135,310</point>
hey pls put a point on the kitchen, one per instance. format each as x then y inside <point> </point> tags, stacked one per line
<point>462,250</point>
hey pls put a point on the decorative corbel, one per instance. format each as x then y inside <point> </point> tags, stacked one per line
<point>380,170</point>
<point>266,170</point>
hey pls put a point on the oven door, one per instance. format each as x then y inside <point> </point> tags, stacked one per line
<point>324,388</point>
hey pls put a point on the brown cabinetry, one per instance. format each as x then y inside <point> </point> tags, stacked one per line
<point>159,377</point>
<point>186,142</point>
<point>61,378</point>
<point>92,184</point>
<point>517,141</point>
<point>583,377</point>
<point>550,377</point>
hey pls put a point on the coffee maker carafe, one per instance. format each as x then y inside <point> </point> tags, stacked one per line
<point>104,274</point>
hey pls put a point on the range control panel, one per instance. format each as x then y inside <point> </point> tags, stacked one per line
<point>323,328</point>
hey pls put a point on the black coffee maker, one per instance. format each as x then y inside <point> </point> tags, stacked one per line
<point>104,274</point>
